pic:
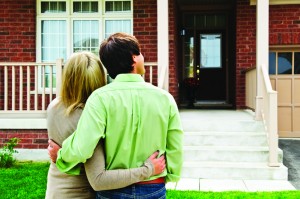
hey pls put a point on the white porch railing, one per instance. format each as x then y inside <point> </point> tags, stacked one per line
<point>26,89</point>
<point>268,112</point>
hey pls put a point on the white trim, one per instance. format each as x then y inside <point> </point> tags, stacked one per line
<point>18,123</point>
<point>278,2</point>
<point>163,44</point>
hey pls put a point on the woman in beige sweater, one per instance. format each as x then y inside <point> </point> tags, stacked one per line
<point>83,73</point>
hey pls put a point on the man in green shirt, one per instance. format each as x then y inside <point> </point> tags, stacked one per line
<point>133,117</point>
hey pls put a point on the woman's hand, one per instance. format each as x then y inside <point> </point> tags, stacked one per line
<point>52,150</point>
<point>159,164</point>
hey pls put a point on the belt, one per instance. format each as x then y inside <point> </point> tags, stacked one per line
<point>155,181</point>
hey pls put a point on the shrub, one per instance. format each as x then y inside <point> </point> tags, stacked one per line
<point>6,153</point>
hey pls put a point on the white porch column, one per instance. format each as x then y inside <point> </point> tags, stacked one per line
<point>163,44</point>
<point>262,49</point>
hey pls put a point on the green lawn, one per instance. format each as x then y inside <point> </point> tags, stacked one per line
<point>28,180</point>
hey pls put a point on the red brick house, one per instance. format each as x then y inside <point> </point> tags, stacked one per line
<point>217,43</point>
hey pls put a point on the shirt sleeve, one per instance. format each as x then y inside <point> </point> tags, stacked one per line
<point>174,151</point>
<point>101,179</point>
<point>79,146</point>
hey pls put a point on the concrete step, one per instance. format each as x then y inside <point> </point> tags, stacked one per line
<point>228,153</point>
<point>214,138</point>
<point>225,125</point>
<point>237,170</point>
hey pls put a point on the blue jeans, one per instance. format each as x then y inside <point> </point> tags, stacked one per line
<point>136,191</point>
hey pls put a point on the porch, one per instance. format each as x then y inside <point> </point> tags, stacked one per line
<point>232,144</point>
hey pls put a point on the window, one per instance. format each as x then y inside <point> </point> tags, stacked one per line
<point>210,53</point>
<point>284,62</point>
<point>67,26</point>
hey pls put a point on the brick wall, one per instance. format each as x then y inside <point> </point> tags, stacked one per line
<point>145,30</point>
<point>284,30</point>
<point>245,46</point>
<point>284,25</point>
<point>17,30</point>
<point>30,139</point>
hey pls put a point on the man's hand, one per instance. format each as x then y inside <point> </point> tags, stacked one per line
<point>158,163</point>
<point>52,150</point>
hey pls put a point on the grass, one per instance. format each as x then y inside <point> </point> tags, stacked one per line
<point>28,180</point>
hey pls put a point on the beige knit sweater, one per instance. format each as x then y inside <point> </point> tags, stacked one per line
<point>93,175</point>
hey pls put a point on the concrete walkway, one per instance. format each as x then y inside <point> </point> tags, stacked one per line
<point>208,184</point>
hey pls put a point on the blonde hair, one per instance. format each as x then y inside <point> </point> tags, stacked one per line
<point>82,74</point>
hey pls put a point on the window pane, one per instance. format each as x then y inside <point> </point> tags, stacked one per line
<point>86,35</point>
<point>112,26</point>
<point>272,63</point>
<point>109,6</point>
<point>53,45</point>
<point>54,35</point>
<point>210,54</point>
<point>118,6</point>
<point>53,7</point>
<point>126,6</point>
<point>297,63</point>
<point>284,63</point>
<point>76,7</point>
<point>85,7</point>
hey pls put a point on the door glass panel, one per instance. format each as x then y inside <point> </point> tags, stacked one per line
<point>285,63</point>
<point>272,63</point>
<point>189,56</point>
<point>297,63</point>
<point>210,50</point>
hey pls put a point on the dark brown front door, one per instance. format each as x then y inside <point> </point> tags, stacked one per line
<point>210,66</point>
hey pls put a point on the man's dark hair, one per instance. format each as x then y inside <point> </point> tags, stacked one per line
<point>116,53</point>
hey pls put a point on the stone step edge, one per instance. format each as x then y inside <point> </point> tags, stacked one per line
<point>228,148</point>
<point>204,164</point>
<point>224,133</point>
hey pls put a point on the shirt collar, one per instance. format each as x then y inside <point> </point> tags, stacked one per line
<point>129,78</point>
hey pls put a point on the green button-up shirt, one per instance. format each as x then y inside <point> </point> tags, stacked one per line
<point>136,119</point>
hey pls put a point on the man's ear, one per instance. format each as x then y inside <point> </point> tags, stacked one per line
<point>134,60</point>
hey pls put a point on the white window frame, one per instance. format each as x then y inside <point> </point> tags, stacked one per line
<point>69,16</point>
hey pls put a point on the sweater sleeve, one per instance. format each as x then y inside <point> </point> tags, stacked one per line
<point>101,179</point>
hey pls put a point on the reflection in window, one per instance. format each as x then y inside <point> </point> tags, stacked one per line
<point>85,35</point>
<point>284,63</point>
<point>112,26</point>
<point>210,53</point>
<point>297,63</point>
<point>189,56</point>
<point>272,63</point>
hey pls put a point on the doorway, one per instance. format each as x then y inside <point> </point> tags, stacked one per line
<point>207,57</point>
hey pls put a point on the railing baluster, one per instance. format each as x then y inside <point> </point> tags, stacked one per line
<point>151,75</point>
<point>36,88</point>
<point>51,82</point>
<point>5,88</point>
<point>28,88</point>
<point>21,89</point>
<point>13,80</point>
<point>44,85</point>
